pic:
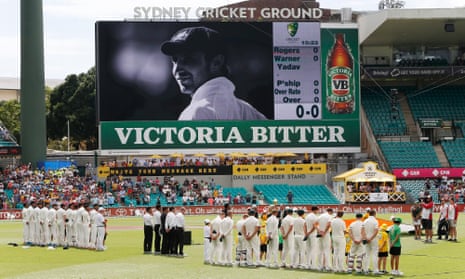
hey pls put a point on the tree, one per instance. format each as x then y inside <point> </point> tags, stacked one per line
<point>10,116</point>
<point>74,101</point>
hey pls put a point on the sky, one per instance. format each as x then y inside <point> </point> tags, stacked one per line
<point>69,27</point>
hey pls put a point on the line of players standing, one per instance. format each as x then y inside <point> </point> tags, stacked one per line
<point>77,225</point>
<point>316,242</point>
<point>168,227</point>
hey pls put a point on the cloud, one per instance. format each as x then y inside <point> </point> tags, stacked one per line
<point>115,9</point>
<point>9,55</point>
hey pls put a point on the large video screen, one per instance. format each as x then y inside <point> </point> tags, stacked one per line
<point>198,85</point>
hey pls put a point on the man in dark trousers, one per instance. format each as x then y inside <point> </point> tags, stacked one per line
<point>156,229</point>
<point>170,228</point>
<point>164,243</point>
<point>148,230</point>
<point>179,232</point>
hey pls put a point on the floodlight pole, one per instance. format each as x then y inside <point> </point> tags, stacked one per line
<point>33,127</point>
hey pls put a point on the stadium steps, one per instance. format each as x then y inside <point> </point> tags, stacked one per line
<point>408,116</point>
<point>441,156</point>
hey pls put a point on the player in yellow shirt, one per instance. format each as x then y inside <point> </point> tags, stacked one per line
<point>263,236</point>
<point>383,244</point>
<point>348,244</point>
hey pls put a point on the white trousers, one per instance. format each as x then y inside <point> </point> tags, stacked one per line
<point>339,249</point>
<point>324,243</point>
<point>272,255</point>
<point>288,250</point>
<point>371,258</point>
<point>299,258</point>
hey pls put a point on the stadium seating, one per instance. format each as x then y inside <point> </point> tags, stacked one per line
<point>4,143</point>
<point>414,187</point>
<point>383,119</point>
<point>428,62</point>
<point>446,103</point>
<point>303,194</point>
<point>234,191</point>
<point>455,152</point>
<point>410,154</point>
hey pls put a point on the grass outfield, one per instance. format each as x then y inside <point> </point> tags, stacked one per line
<point>124,257</point>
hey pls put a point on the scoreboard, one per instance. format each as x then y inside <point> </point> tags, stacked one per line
<point>297,70</point>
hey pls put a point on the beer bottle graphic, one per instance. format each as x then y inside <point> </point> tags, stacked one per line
<point>340,78</point>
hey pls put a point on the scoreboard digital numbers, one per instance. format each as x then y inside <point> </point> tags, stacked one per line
<point>297,70</point>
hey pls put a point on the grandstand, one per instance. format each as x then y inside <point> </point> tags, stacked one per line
<point>424,126</point>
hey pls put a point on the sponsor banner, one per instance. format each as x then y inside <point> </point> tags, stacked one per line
<point>103,172</point>
<point>378,197</point>
<point>421,173</point>
<point>399,72</point>
<point>127,135</point>
<point>153,171</point>
<point>226,13</point>
<point>279,169</point>
<point>242,209</point>
<point>388,72</point>
<point>340,77</point>
<point>430,122</point>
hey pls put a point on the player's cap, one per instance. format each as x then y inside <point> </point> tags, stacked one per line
<point>192,39</point>
<point>397,220</point>
<point>206,221</point>
<point>101,209</point>
<point>358,215</point>
<point>384,227</point>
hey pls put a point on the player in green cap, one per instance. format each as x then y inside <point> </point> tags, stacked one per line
<point>395,247</point>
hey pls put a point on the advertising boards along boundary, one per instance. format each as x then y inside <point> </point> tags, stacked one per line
<point>242,209</point>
